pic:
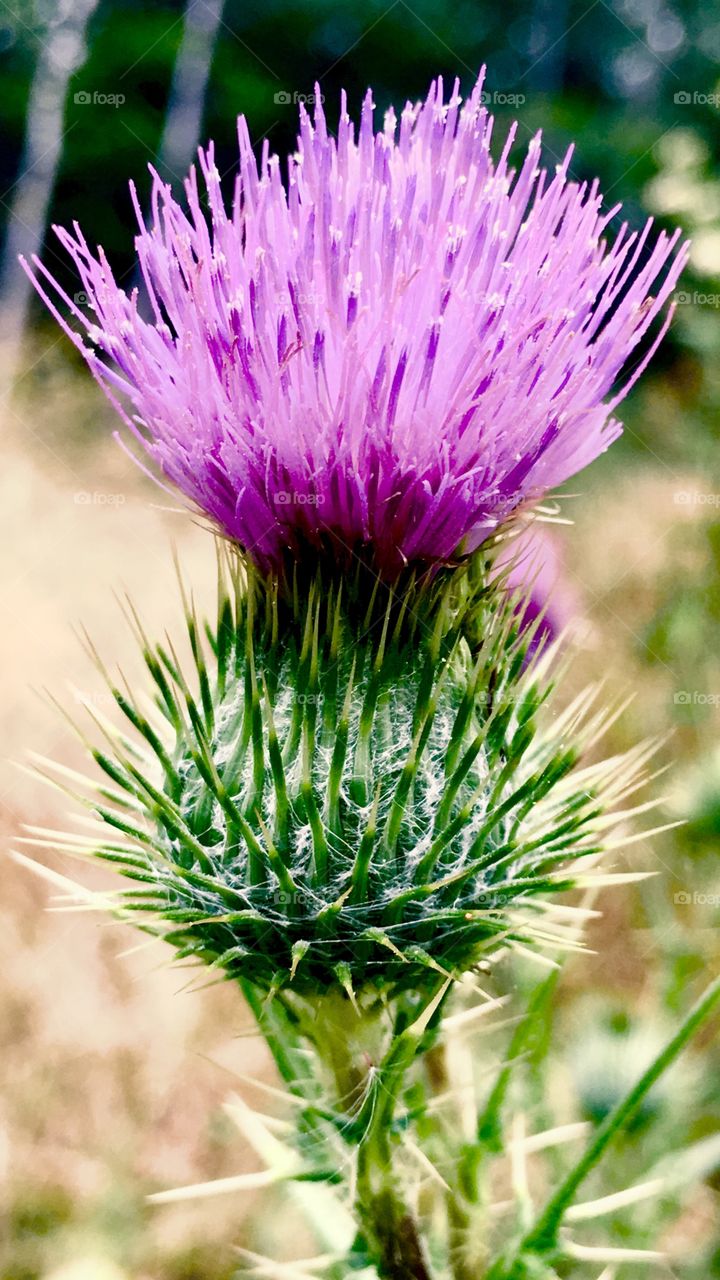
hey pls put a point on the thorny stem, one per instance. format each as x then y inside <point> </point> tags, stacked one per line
<point>369,1077</point>
<point>396,1238</point>
<point>392,1233</point>
<point>350,1042</point>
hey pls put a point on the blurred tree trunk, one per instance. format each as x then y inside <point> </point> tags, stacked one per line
<point>189,85</point>
<point>186,102</point>
<point>62,47</point>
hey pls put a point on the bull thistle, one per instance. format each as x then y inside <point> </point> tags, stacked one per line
<point>362,794</point>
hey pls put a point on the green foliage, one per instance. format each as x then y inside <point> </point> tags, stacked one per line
<point>506,1200</point>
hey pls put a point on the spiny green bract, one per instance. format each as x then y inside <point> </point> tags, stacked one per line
<point>348,796</point>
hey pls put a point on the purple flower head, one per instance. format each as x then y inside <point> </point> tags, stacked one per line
<point>386,355</point>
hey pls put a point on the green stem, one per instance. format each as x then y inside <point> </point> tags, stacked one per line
<point>391,1232</point>
<point>544,1234</point>
<point>367,1077</point>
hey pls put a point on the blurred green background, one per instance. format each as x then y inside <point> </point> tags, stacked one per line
<point>108,1091</point>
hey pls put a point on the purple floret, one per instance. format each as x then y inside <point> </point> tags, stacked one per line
<point>387,355</point>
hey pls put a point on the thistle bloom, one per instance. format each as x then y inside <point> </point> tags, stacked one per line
<point>389,354</point>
